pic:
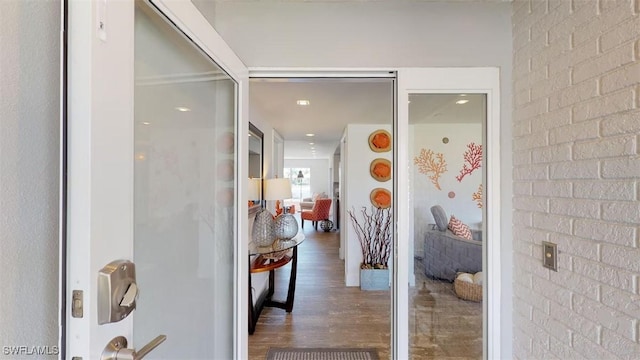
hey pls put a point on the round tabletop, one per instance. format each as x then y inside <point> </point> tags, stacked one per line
<point>277,246</point>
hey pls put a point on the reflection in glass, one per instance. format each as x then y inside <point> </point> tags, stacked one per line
<point>184,194</point>
<point>446,177</point>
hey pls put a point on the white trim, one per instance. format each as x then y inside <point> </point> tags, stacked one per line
<point>198,29</point>
<point>100,175</point>
<point>402,212</point>
<point>261,72</point>
<point>467,80</point>
<point>277,158</point>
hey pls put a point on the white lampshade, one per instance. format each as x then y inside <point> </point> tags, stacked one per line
<point>254,189</point>
<point>277,189</point>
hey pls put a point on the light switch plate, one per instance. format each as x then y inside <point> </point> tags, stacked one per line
<point>550,255</point>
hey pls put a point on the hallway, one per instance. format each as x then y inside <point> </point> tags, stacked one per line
<point>328,314</point>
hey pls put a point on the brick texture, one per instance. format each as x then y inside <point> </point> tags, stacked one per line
<point>576,165</point>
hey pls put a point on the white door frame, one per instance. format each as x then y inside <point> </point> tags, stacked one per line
<point>482,80</point>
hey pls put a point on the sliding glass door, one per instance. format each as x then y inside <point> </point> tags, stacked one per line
<point>447,292</point>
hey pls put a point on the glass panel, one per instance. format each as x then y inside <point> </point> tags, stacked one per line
<point>184,195</point>
<point>446,177</point>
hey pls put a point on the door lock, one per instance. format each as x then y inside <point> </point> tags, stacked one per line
<point>117,349</point>
<point>117,291</point>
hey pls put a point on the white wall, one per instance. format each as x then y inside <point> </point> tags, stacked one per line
<point>426,195</point>
<point>29,165</point>
<point>320,178</point>
<point>364,34</point>
<point>385,34</point>
<point>576,172</point>
<point>360,184</point>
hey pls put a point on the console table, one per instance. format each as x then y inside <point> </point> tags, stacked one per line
<point>270,258</point>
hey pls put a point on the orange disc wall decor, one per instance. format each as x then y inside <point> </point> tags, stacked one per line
<point>380,169</point>
<point>380,198</point>
<point>380,141</point>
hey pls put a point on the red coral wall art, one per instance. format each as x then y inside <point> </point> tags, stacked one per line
<point>428,164</point>
<point>472,160</point>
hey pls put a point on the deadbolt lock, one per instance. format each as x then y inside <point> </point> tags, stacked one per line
<point>117,291</point>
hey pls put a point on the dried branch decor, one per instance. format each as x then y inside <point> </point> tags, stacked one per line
<point>428,164</point>
<point>374,234</point>
<point>473,157</point>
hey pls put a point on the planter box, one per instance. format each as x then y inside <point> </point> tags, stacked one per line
<point>374,279</point>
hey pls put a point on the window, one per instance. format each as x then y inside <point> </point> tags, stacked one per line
<point>300,186</point>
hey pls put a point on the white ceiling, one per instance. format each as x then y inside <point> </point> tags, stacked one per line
<point>334,103</point>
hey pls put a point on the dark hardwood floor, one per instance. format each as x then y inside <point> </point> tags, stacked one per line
<point>328,314</point>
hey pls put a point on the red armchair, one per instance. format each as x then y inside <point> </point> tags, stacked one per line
<point>319,212</point>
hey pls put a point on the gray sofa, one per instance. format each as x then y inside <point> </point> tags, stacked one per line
<point>445,254</point>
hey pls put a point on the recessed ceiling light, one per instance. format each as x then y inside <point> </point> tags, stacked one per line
<point>303,102</point>
<point>146,123</point>
<point>463,94</point>
<point>460,102</point>
<point>311,143</point>
<point>310,134</point>
<point>182,108</point>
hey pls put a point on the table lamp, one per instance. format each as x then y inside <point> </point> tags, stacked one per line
<point>286,225</point>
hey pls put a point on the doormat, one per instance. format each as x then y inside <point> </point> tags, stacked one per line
<point>322,354</point>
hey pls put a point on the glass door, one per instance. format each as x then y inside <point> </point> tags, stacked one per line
<point>184,204</point>
<point>447,296</point>
<point>446,182</point>
<point>157,102</point>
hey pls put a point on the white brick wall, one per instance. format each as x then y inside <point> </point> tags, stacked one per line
<point>576,134</point>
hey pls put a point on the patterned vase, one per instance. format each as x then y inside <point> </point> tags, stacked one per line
<point>286,226</point>
<point>326,225</point>
<point>263,233</point>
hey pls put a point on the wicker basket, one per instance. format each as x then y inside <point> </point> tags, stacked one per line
<point>468,291</point>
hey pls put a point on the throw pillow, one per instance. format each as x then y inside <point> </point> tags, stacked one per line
<point>458,228</point>
<point>440,217</point>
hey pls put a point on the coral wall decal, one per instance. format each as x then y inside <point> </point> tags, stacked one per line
<point>472,160</point>
<point>477,196</point>
<point>428,164</point>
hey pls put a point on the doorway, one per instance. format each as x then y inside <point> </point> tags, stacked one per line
<point>330,307</point>
<point>480,81</point>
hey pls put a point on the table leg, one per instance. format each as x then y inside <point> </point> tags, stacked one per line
<point>266,299</point>
<point>292,280</point>
<point>252,318</point>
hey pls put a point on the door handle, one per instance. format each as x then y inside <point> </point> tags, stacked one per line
<point>117,349</point>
